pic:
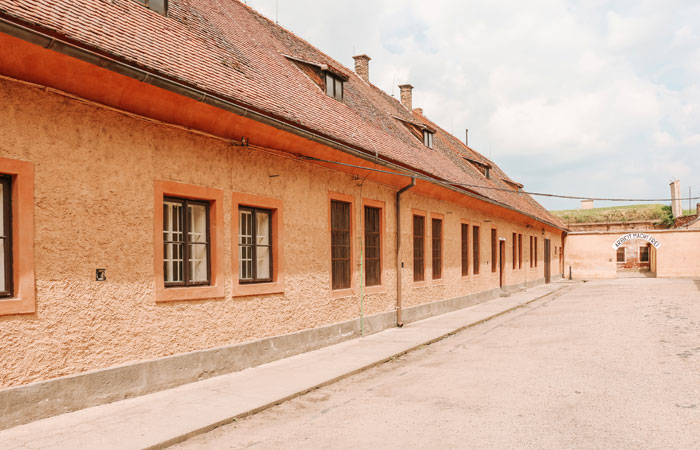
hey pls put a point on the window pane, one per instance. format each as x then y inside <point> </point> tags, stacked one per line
<point>2,209</point>
<point>372,246</point>
<point>198,262</point>
<point>263,262</point>
<point>172,260</point>
<point>198,223</point>
<point>245,242</point>
<point>262,232</point>
<point>418,248</point>
<point>340,244</point>
<point>338,89</point>
<point>3,285</point>
<point>329,85</point>
<point>172,220</point>
<point>475,252</point>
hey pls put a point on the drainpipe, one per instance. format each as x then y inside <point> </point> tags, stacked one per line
<point>399,322</point>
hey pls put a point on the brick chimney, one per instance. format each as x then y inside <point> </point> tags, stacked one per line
<point>407,96</point>
<point>676,206</point>
<point>362,66</point>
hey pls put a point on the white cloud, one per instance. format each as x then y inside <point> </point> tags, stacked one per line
<point>566,96</point>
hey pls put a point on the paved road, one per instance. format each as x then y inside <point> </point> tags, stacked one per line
<point>609,365</point>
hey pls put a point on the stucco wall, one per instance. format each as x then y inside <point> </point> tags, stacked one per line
<point>94,194</point>
<point>591,254</point>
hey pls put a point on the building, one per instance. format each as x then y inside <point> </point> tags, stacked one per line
<point>190,189</point>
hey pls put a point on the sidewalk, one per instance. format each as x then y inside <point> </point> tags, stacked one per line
<point>167,417</point>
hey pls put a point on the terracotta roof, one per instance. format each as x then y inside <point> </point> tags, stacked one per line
<point>230,50</point>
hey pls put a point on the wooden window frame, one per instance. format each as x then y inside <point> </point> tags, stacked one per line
<point>23,298</point>
<point>536,255</point>
<point>6,236</point>
<point>336,81</point>
<point>494,250</point>
<point>215,198</point>
<point>186,202</point>
<point>254,246</point>
<point>464,235</point>
<point>520,251</point>
<point>531,253</point>
<point>476,249</point>
<point>515,251</point>
<point>381,206</point>
<point>624,255</point>
<point>422,214</point>
<point>640,253</point>
<point>428,137</point>
<point>437,271</point>
<point>276,285</point>
<point>334,196</point>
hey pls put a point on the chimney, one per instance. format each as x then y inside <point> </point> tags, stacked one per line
<point>586,204</point>
<point>407,96</point>
<point>676,207</point>
<point>466,138</point>
<point>362,66</point>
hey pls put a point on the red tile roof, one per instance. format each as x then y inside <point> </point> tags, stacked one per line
<point>228,49</point>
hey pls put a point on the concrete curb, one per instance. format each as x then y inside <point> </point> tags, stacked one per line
<point>178,439</point>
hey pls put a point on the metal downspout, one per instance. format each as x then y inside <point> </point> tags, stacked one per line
<point>399,321</point>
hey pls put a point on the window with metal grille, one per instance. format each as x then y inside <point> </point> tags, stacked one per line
<point>334,86</point>
<point>621,255</point>
<point>515,251</point>
<point>436,239</point>
<point>475,251</point>
<point>6,287</point>
<point>520,251</point>
<point>418,248</point>
<point>340,245</point>
<point>186,253</point>
<point>373,260</point>
<point>465,249</point>
<point>254,245</point>
<point>494,243</point>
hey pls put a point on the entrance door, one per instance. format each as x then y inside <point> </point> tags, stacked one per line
<point>501,262</point>
<point>547,261</point>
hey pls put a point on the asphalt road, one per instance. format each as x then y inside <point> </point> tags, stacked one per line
<point>609,365</point>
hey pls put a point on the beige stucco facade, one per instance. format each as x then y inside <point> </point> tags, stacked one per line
<point>591,255</point>
<point>95,172</point>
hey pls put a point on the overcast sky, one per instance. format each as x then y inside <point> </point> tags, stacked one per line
<point>594,98</point>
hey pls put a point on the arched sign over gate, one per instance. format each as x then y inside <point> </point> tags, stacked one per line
<point>631,236</point>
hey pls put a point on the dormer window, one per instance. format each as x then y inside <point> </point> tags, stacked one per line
<point>334,86</point>
<point>159,6</point>
<point>428,138</point>
<point>485,169</point>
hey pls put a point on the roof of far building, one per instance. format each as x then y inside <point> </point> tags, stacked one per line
<point>229,51</point>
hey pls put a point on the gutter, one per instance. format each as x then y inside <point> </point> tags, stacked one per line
<point>399,265</point>
<point>10,27</point>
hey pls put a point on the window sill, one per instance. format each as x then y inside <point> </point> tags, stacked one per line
<point>251,289</point>
<point>17,305</point>
<point>176,294</point>
<point>419,283</point>
<point>438,282</point>
<point>340,293</point>
<point>378,289</point>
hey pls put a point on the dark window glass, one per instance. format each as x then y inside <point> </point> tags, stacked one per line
<point>531,253</point>
<point>494,243</point>
<point>436,239</point>
<point>515,251</point>
<point>334,87</point>
<point>520,251</point>
<point>373,260</point>
<point>476,251</point>
<point>644,254</point>
<point>340,244</point>
<point>427,138</point>
<point>465,249</point>
<point>418,248</point>
<point>535,251</point>
<point>621,254</point>
<point>186,242</point>
<point>6,237</point>
<point>254,245</point>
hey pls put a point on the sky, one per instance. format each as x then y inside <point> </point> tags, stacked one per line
<point>590,98</point>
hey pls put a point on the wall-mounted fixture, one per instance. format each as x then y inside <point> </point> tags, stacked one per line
<point>100,274</point>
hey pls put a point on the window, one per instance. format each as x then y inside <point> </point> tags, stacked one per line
<point>465,249</point>
<point>643,254</point>
<point>186,252</point>
<point>159,6</point>
<point>334,86</point>
<point>621,257</point>
<point>437,248</point>
<point>254,245</point>
<point>536,252</point>
<point>418,248</point>
<point>494,243</point>
<point>428,138</point>
<point>520,251</point>
<point>531,252</point>
<point>475,252</point>
<point>373,260</point>
<point>515,251</point>
<point>6,278</point>
<point>340,245</point>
